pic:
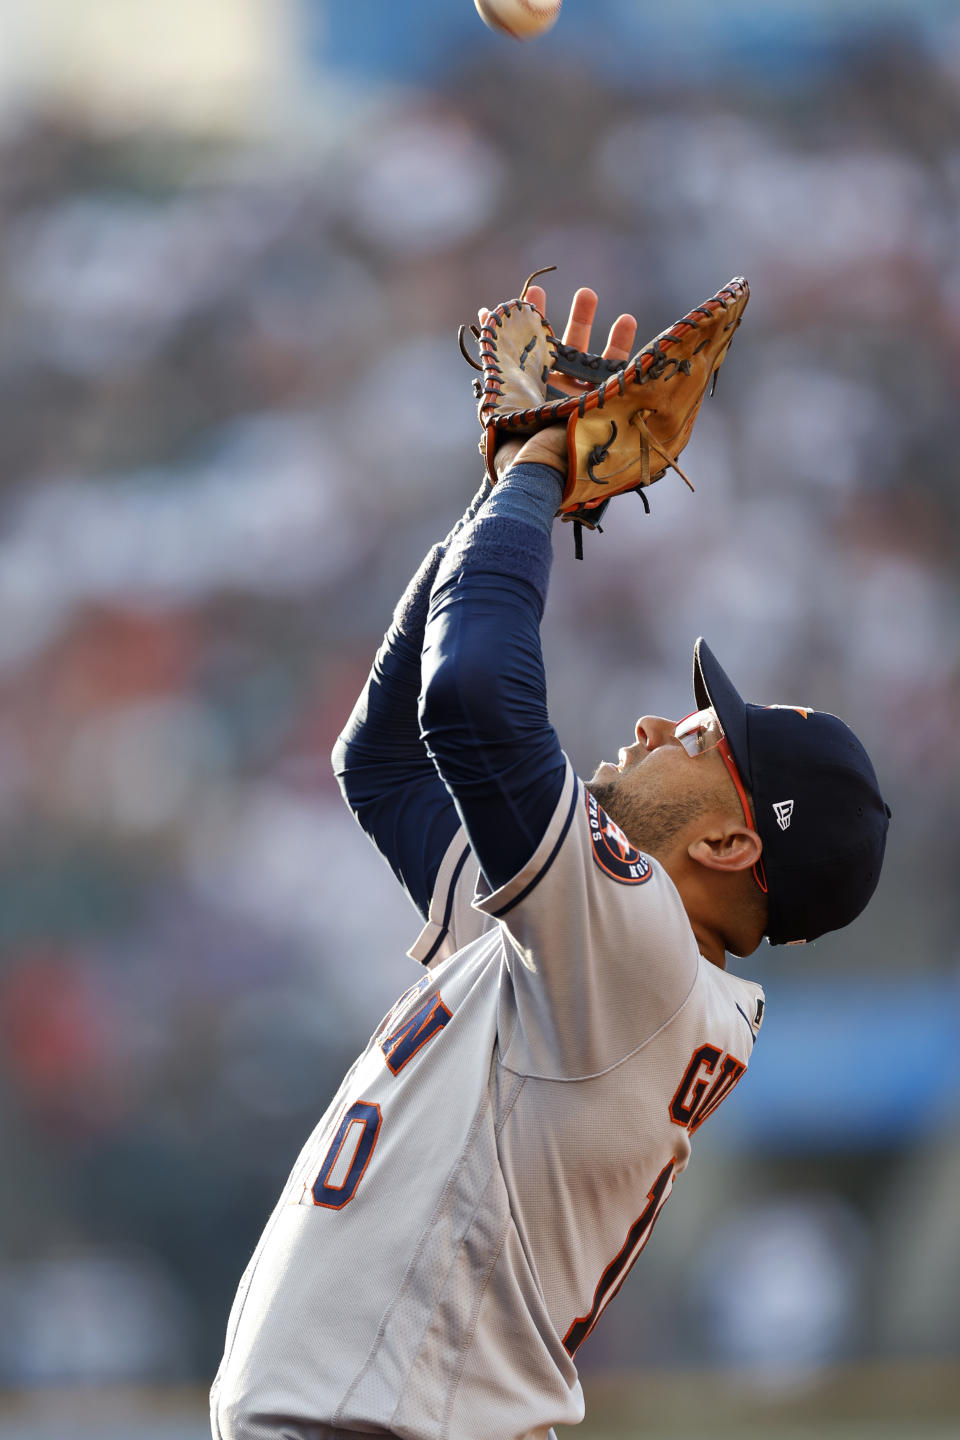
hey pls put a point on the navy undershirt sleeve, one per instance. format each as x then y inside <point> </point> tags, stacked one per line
<point>382,767</point>
<point>483,711</point>
<point>386,776</point>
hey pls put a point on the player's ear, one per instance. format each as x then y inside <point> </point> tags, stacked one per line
<point>731,846</point>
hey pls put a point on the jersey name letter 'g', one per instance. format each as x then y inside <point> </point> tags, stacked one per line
<point>707,1080</point>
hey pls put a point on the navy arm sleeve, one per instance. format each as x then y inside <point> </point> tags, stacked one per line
<point>382,767</point>
<point>483,711</point>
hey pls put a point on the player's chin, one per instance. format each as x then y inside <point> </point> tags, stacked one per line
<point>606,773</point>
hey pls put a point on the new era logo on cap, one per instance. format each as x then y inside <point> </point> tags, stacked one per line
<point>783,809</point>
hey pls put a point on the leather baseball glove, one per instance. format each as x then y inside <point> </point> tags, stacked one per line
<point>627,420</point>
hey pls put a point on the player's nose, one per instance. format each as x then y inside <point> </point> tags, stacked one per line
<point>654,731</point>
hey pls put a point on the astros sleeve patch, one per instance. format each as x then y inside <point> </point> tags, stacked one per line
<point>612,850</point>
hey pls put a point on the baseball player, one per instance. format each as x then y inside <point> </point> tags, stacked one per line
<point>496,1159</point>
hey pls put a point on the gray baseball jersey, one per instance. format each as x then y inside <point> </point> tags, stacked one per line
<point>495,1160</point>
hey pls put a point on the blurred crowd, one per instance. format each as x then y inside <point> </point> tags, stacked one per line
<point>232,418</point>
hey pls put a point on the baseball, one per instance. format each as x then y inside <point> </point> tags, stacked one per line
<point>522,19</point>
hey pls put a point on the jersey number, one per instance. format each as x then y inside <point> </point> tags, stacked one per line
<point>352,1145</point>
<point>348,1156</point>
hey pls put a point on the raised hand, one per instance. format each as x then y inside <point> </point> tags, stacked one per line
<point>549,447</point>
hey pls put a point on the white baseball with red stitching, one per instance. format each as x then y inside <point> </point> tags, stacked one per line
<point>522,19</point>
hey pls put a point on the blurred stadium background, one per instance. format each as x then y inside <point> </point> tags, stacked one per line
<point>220,222</point>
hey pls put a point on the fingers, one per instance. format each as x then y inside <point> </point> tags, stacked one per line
<point>538,297</point>
<point>583,310</point>
<point>623,332</point>
<point>582,314</point>
<point>580,320</point>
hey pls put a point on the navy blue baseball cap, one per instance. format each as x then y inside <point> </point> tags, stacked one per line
<point>816,803</point>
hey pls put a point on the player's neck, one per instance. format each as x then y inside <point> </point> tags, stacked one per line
<point>709,943</point>
<point>697,888</point>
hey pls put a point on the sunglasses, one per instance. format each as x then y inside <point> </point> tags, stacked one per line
<point>701,731</point>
